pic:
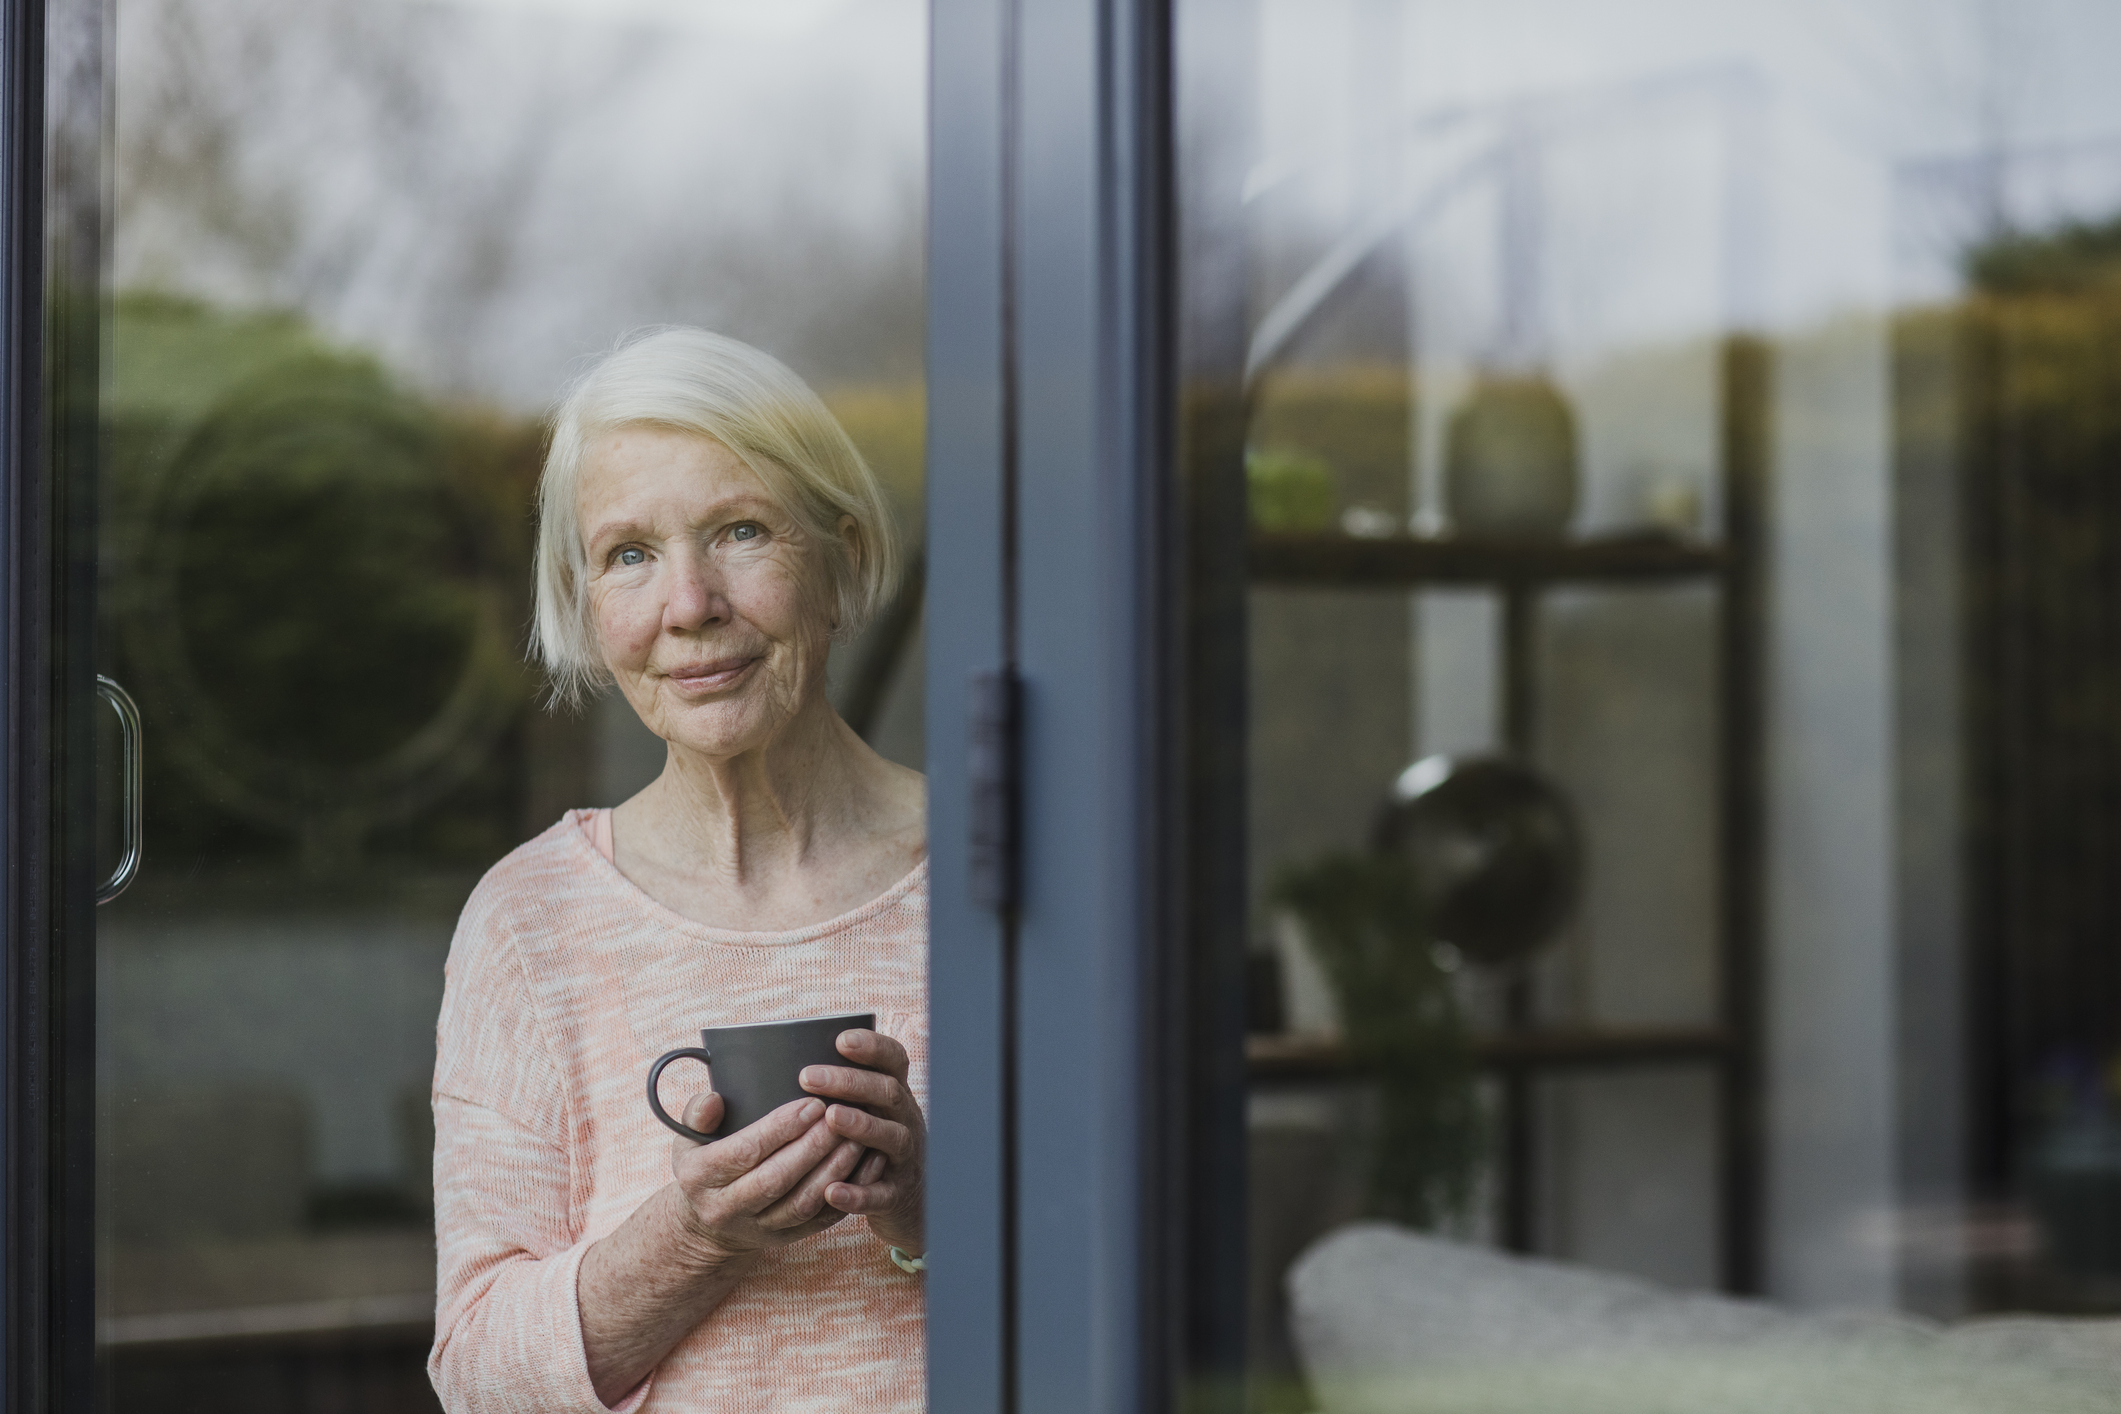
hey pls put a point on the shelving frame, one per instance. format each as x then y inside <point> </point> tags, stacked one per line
<point>1521,572</point>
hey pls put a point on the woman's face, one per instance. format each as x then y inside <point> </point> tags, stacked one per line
<point>707,597</point>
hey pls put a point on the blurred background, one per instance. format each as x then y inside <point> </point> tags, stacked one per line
<point>1680,446</point>
<point>1677,449</point>
<point>357,251</point>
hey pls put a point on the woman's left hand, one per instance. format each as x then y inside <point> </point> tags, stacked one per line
<point>890,1187</point>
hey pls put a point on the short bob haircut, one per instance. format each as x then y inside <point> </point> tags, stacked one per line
<point>688,380</point>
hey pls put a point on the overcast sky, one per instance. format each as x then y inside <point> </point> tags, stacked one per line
<point>488,190</point>
<point>1697,160</point>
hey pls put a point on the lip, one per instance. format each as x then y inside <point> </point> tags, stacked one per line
<point>697,679</point>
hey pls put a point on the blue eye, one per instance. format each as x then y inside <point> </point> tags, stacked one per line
<point>632,557</point>
<point>746,531</point>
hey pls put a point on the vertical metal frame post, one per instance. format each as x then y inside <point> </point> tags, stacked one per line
<point>1203,1198</point>
<point>971,1281</point>
<point>1064,1107</point>
<point>52,123</point>
<point>1746,388</point>
<point>1092,354</point>
<point>24,906</point>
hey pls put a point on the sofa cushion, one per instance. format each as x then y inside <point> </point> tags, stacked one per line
<point>1388,1321</point>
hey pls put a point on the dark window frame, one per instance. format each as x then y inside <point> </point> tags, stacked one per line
<point>52,123</point>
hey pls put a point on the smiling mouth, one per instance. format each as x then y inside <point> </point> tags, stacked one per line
<point>710,677</point>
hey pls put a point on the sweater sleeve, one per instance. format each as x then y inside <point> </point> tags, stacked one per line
<point>508,1327</point>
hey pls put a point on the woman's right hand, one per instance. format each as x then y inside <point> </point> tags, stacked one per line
<point>643,1286</point>
<point>763,1186</point>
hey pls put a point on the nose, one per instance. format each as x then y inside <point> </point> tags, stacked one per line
<point>695,599</point>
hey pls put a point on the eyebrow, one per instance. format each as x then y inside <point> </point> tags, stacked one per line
<point>720,510</point>
<point>618,529</point>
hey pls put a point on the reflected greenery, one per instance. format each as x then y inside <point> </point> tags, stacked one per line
<point>325,588</point>
<point>2015,393</point>
<point>2078,257</point>
<point>1354,419</point>
<point>315,583</point>
<point>1288,490</point>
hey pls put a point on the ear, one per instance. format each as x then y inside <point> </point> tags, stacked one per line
<point>850,534</point>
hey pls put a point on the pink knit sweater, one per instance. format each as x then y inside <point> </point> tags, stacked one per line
<point>564,983</point>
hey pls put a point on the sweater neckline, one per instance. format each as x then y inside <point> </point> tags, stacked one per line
<point>644,902</point>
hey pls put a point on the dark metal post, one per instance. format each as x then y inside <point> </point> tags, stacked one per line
<point>52,99</point>
<point>32,1355</point>
<point>1520,700</point>
<point>1746,451</point>
<point>1519,1189</point>
<point>1202,1166</point>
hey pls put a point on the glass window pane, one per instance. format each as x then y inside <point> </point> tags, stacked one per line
<point>359,251</point>
<point>1682,707</point>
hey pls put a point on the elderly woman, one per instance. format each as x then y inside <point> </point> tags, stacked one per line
<point>706,530</point>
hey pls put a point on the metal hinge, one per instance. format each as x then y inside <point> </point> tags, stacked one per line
<point>993,775</point>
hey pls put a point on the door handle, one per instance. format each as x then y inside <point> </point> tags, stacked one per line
<point>121,702</point>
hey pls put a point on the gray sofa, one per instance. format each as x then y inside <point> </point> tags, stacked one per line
<point>1388,1321</point>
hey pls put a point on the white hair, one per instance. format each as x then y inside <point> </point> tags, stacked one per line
<point>688,380</point>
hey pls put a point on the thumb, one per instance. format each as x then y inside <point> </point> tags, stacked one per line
<point>703,1112</point>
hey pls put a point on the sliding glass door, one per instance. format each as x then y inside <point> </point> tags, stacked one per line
<point>1513,674</point>
<point>316,273</point>
<point>1672,448</point>
<point>1533,579</point>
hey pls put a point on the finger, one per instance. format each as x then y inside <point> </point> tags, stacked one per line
<point>732,1156</point>
<point>807,1198</point>
<point>863,1197</point>
<point>702,1112</point>
<point>873,1048</point>
<point>728,1159</point>
<point>893,1138</point>
<point>872,1168</point>
<point>780,1174</point>
<point>827,1216</point>
<point>860,1087</point>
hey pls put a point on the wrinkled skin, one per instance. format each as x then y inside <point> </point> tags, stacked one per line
<point>712,610</point>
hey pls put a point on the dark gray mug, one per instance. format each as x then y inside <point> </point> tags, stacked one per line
<point>757,1069</point>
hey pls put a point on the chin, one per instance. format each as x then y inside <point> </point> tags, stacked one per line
<point>719,728</point>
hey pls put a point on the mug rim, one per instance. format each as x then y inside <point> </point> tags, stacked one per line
<point>791,1021</point>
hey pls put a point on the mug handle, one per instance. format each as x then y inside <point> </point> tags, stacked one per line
<point>655,1101</point>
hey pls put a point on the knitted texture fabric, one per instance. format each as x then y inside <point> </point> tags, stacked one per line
<point>565,982</point>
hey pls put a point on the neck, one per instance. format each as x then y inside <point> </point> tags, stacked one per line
<point>775,808</point>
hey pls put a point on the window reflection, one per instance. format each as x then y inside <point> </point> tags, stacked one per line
<point>1704,409</point>
<point>358,251</point>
